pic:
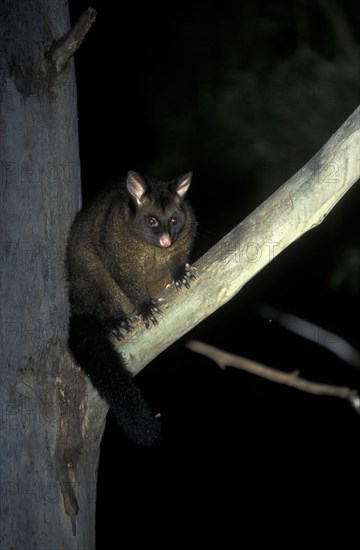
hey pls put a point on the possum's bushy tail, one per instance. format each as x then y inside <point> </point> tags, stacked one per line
<point>98,358</point>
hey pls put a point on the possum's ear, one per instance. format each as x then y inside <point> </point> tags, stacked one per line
<point>137,188</point>
<point>183,184</point>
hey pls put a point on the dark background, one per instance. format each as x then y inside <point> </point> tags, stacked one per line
<point>242,94</point>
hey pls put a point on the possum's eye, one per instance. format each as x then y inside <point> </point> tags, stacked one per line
<point>173,220</point>
<point>152,221</point>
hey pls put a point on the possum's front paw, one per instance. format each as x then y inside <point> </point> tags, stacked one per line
<point>147,313</point>
<point>184,276</point>
<point>118,326</point>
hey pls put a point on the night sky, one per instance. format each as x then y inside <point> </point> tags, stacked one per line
<point>242,94</point>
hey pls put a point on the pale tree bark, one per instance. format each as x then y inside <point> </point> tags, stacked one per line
<point>51,419</point>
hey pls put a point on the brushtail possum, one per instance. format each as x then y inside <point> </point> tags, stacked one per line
<point>122,250</point>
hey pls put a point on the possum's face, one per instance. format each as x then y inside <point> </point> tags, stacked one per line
<point>160,228</point>
<point>159,216</point>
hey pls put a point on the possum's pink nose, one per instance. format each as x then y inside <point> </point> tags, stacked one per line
<point>165,240</point>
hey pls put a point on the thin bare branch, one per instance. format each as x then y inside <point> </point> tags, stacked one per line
<point>320,336</point>
<point>223,359</point>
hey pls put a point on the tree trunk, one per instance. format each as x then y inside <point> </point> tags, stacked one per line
<point>52,420</point>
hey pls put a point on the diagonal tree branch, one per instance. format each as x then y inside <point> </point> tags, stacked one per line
<point>297,206</point>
